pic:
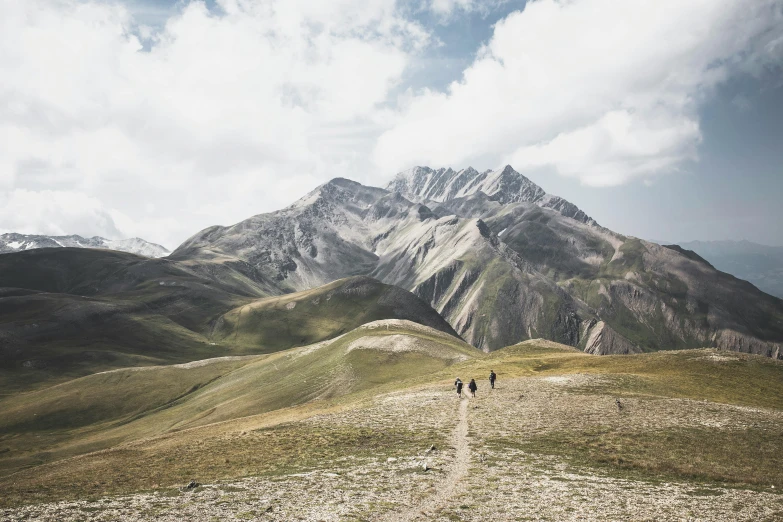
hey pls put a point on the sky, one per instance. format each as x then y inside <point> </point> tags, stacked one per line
<point>661,119</point>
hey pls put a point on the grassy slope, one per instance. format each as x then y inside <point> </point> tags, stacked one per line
<point>49,338</point>
<point>748,457</point>
<point>740,379</point>
<point>168,423</point>
<point>100,411</point>
<point>66,313</point>
<point>301,318</point>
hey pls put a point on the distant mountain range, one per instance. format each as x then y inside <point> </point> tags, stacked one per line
<point>13,242</point>
<point>762,265</point>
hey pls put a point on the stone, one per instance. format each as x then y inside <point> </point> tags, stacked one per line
<point>191,485</point>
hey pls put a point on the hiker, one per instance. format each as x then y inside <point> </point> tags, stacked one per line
<point>458,384</point>
<point>473,387</point>
<point>492,377</point>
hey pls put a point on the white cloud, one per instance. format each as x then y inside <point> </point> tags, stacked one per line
<point>615,149</point>
<point>109,126</point>
<point>221,109</point>
<point>600,90</point>
<point>55,213</point>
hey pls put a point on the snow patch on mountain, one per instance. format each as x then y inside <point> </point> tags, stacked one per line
<point>13,242</point>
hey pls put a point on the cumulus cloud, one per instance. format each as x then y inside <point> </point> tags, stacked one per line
<point>217,115</point>
<point>54,212</point>
<point>599,90</point>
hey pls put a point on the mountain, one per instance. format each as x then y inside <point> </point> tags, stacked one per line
<point>12,242</point>
<point>344,229</point>
<point>500,260</point>
<point>762,265</point>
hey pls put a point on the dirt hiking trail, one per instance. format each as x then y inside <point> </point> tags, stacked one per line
<point>428,507</point>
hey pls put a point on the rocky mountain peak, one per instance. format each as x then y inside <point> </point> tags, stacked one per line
<point>498,258</point>
<point>506,186</point>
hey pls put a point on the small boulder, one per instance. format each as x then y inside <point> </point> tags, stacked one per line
<point>191,485</point>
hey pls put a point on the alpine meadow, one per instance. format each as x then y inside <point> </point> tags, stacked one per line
<point>374,339</point>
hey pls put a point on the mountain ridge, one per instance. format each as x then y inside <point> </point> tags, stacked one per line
<point>14,242</point>
<point>423,184</point>
<point>501,268</point>
<point>759,264</point>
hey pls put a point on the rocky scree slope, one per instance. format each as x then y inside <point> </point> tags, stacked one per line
<point>500,260</point>
<point>13,242</point>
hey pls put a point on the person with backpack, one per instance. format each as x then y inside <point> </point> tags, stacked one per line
<point>458,384</point>
<point>492,377</point>
<point>473,387</point>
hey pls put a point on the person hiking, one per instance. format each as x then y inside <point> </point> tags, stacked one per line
<point>458,384</point>
<point>473,387</point>
<point>492,377</point>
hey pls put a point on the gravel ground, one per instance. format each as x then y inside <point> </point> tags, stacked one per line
<point>471,479</point>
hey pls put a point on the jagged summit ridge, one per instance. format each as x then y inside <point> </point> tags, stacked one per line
<point>506,185</point>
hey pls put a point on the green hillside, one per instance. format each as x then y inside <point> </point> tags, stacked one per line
<point>66,313</point>
<point>224,419</point>
<point>301,318</point>
<point>104,409</point>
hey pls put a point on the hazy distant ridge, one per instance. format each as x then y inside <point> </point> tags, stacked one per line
<point>761,265</point>
<point>13,242</point>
